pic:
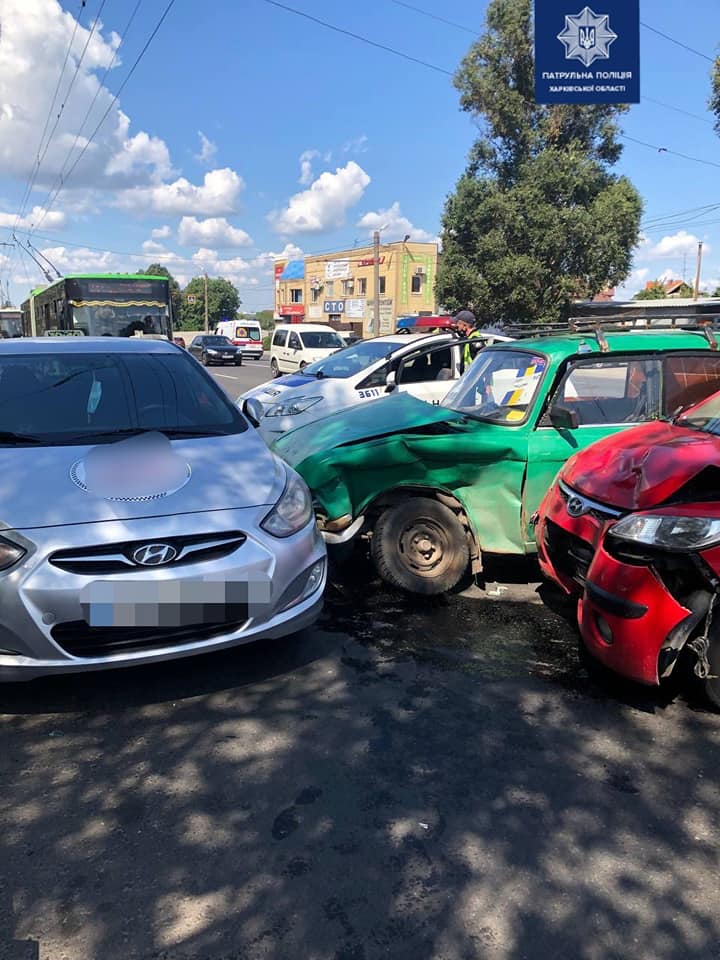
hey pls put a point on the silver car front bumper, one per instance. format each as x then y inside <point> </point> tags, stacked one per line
<point>42,601</point>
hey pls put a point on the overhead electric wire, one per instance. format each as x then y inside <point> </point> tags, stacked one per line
<point>674,153</point>
<point>33,170</point>
<point>358,36</point>
<point>51,198</point>
<point>100,86</point>
<point>434,16</point>
<point>669,106</point>
<point>72,83</point>
<point>677,42</point>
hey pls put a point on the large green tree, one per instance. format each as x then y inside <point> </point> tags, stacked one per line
<point>715,93</point>
<point>158,270</point>
<point>223,302</point>
<point>538,219</point>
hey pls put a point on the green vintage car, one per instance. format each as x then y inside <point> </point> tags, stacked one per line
<point>436,487</point>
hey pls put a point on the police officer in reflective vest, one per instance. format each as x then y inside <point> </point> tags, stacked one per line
<point>465,321</point>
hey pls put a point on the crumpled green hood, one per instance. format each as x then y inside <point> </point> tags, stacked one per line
<point>394,414</point>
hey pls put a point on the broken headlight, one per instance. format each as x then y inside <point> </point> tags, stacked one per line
<point>668,533</point>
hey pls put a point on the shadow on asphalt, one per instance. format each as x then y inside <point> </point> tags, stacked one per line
<point>415,779</point>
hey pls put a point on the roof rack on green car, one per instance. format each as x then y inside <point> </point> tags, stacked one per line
<point>619,323</point>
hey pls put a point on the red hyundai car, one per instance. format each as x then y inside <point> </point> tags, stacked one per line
<point>632,527</point>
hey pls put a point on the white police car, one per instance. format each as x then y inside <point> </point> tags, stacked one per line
<point>425,366</point>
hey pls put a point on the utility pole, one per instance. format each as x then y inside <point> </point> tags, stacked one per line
<point>376,281</point>
<point>696,291</point>
<point>207,328</point>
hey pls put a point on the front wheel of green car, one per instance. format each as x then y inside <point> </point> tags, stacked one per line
<point>419,546</point>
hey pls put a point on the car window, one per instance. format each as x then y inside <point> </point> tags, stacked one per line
<point>689,379</point>
<point>353,359</point>
<point>378,378</point>
<point>705,416</point>
<point>322,340</point>
<point>501,386</point>
<point>197,342</point>
<point>294,343</point>
<point>611,391</point>
<point>216,341</point>
<point>428,366</point>
<point>65,398</point>
<point>278,339</point>
<point>247,333</point>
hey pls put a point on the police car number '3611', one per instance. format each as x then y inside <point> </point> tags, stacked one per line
<point>367,394</point>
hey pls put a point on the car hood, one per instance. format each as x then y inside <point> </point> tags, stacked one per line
<point>55,486</point>
<point>643,467</point>
<point>393,414</point>
<point>268,393</point>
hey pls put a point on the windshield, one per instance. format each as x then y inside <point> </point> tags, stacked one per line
<point>705,417</point>
<point>120,320</point>
<point>247,333</point>
<point>217,342</point>
<point>67,398</point>
<point>500,386</point>
<point>353,359</point>
<point>321,340</point>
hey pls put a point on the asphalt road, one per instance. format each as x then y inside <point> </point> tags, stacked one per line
<point>409,780</point>
<point>236,380</point>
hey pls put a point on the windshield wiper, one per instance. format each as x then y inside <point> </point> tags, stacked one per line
<point>9,436</point>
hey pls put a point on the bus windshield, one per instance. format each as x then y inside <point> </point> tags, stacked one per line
<point>119,320</point>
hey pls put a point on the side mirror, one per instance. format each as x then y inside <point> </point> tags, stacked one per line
<point>253,410</point>
<point>390,382</point>
<point>563,417</point>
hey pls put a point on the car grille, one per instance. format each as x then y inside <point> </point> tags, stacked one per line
<point>117,558</point>
<point>79,639</point>
<point>599,511</point>
<point>568,554</point>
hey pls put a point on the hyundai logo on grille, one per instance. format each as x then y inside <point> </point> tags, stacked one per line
<point>576,506</point>
<point>154,554</point>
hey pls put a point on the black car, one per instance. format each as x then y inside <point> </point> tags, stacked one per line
<point>211,348</point>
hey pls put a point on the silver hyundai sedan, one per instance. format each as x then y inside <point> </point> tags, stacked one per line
<point>141,516</point>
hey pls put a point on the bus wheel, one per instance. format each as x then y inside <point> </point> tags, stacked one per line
<point>420,546</point>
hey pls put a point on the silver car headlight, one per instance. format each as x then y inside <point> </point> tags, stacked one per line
<point>291,408</point>
<point>672,533</point>
<point>292,512</point>
<point>10,554</point>
<point>210,350</point>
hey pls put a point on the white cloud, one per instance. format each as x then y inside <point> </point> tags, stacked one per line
<point>358,145</point>
<point>54,220</point>
<point>324,205</point>
<point>635,282</point>
<point>208,149</point>
<point>215,230</point>
<point>672,246</point>
<point>152,246</point>
<point>395,224</point>
<point>161,233</point>
<point>35,38</point>
<point>217,195</point>
<point>306,170</point>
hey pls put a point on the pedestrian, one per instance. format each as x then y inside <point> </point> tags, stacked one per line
<point>466,326</point>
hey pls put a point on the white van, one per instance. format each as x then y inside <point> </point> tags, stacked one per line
<point>295,345</point>
<point>246,334</point>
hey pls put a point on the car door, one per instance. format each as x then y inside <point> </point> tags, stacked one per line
<point>607,394</point>
<point>277,348</point>
<point>427,373</point>
<point>293,352</point>
<point>196,346</point>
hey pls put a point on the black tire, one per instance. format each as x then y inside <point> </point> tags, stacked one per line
<point>711,688</point>
<point>274,369</point>
<point>238,363</point>
<point>420,547</point>
<point>204,360</point>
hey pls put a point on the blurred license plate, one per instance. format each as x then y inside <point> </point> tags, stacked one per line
<point>169,603</point>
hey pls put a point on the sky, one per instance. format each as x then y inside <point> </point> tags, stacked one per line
<point>246,131</point>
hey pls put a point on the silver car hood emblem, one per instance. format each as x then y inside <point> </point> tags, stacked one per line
<point>154,554</point>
